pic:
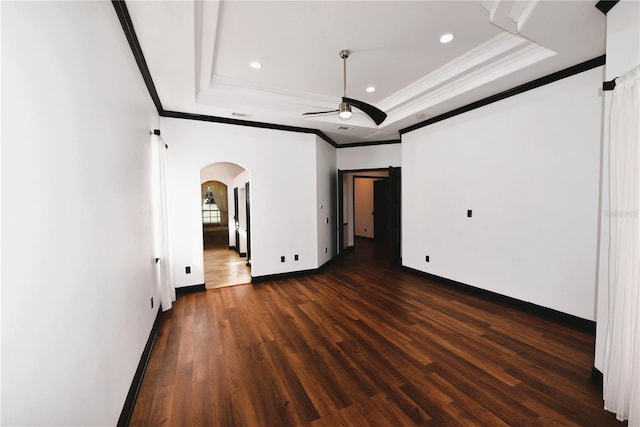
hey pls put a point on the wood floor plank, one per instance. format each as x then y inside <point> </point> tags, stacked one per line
<point>490,393</point>
<point>161,409</point>
<point>221,405</point>
<point>465,348</point>
<point>320,316</point>
<point>387,382</point>
<point>299,400</point>
<point>475,413</point>
<point>363,344</point>
<point>389,413</point>
<point>222,267</point>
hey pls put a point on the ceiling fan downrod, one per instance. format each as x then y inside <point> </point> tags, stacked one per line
<point>344,54</point>
<point>345,108</point>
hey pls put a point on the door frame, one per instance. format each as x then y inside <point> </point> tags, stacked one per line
<point>340,246</point>
<point>248,221</point>
<point>394,199</point>
<point>236,220</point>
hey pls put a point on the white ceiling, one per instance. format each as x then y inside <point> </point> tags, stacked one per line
<point>198,54</point>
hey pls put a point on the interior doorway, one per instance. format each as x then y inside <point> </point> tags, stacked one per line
<point>225,225</point>
<point>369,209</point>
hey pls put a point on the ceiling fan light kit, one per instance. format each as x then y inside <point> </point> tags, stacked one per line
<point>344,109</point>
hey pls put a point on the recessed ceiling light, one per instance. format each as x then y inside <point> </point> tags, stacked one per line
<point>371,89</point>
<point>255,65</point>
<point>446,38</point>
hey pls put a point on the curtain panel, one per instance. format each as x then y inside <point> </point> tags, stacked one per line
<point>622,346</point>
<point>161,225</point>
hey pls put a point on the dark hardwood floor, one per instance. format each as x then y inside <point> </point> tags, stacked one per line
<point>361,344</point>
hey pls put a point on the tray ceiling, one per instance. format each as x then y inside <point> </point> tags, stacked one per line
<point>198,54</point>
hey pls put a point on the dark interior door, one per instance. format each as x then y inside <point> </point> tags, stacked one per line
<point>248,230</point>
<point>394,201</point>
<point>381,210</point>
<point>236,219</point>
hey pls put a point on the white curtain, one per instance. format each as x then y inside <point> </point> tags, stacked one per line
<point>161,229</point>
<point>220,194</point>
<point>622,346</point>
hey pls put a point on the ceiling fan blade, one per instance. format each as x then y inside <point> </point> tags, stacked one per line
<point>320,112</point>
<point>376,114</point>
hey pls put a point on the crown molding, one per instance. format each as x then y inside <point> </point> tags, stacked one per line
<point>248,123</point>
<point>495,47</point>
<point>550,78</point>
<point>491,70</point>
<point>370,143</point>
<point>605,6</point>
<point>130,33</point>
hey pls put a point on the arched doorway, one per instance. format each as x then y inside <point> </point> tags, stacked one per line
<point>225,225</point>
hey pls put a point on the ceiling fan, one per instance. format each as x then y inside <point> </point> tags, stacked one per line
<point>344,109</point>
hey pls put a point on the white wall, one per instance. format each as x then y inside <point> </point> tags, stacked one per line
<point>528,167</point>
<point>78,270</point>
<point>221,171</point>
<point>623,54</point>
<point>369,157</point>
<point>326,182</point>
<point>283,197</point>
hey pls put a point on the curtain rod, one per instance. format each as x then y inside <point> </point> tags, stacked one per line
<point>610,85</point>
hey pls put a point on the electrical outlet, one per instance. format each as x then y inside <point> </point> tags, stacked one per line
<point>469,213</point>
<point>187,270</point>
<point>282,259</point>
<point>151,302</point>
<point>295,257</point>
<point>426,258</point>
